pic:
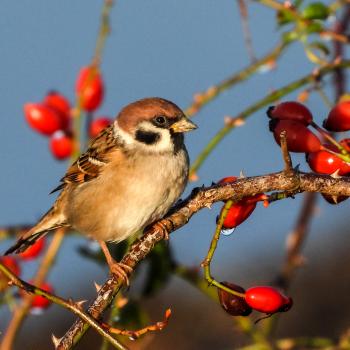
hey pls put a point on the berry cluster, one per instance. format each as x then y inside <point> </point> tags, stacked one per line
<point>324,154</point>
<point>53,116</point>
<point>39,303</point>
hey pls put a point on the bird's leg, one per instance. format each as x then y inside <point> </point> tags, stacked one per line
<point>118,269</point>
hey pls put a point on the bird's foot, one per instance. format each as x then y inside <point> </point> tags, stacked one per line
<point>163,229</point>
<point>120,271</point>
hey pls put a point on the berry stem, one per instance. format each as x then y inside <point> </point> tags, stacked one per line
<point>328,137</point>
<point>214,242</point>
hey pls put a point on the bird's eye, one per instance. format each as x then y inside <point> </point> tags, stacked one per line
<point>160,120</point>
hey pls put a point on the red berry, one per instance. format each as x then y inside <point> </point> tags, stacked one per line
<point>40,302</point>
<point>227,179</point>
<point>98,125</point>
<point>61,145</point>
<point>12,265</point>
<point>299,137</point>
<point>241,211</point>
<point>267,299</point>
<point>233,304</point>
<point>42,118</point>
<point>291,110</point>
<point>238,213</point>
<point>338,118</point>
<point>324,162</point>
<point>61,105</point>
<point>34,250</point>
<point>90,88</point>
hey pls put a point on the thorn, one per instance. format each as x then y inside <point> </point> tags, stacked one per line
<point>241,175</point>
<point>297,168</point>
<point>335,199</point>
<point>80,304</point>
<point>56,341</point>
<point>97,286</point>
<point>208,205</point>
<point>336,175</point>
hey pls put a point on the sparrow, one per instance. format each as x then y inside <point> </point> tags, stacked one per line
<point>129,177</point>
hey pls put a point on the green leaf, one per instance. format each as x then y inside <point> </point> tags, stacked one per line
<point>315,10</point>
<point>314,27</point>
<point>284,17</point>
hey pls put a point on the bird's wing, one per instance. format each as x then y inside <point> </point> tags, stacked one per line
<point>89,165</point>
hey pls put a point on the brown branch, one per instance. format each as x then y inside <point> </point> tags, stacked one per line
<point>182,213</point>
<point>288,166</point>
<point>339,77</point>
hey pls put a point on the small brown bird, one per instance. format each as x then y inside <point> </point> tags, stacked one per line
<point>129,177</point>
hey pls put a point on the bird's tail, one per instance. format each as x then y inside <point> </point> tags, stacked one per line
<point>49,222</point>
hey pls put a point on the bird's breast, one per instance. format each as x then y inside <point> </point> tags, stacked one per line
<point>126,197</point>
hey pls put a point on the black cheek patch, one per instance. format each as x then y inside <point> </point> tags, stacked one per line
<point>147,137</point>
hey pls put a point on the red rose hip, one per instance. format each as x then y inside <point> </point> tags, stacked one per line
<point>61,105</point>
<point>90,88</point>
<point>267,299</point>
<point>299,137</point>
<point>324,162</point>
<point>338,118</point>
<point>40,302</point>
<point>233,304</point>
<point>34,250</point>
<point>291,110</point>
<point>61,145</point>
<point>42,118</point>
<point>98,125</point>
<point>12,264</point>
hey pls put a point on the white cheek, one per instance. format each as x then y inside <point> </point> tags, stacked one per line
<point>120,133</point>
<point>165,143</point>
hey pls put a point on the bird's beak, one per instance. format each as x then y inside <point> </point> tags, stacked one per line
<point>183,125</point>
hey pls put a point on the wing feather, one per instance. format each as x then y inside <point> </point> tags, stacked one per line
<point>89,165</point>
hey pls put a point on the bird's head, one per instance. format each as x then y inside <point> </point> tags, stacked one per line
<point>153,125</point>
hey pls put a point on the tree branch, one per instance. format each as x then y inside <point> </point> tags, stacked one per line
<point>182,213</point>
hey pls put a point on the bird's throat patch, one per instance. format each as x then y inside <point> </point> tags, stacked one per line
<point>147,137</point>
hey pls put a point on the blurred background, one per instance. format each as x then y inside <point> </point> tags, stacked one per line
<point>172,50</point>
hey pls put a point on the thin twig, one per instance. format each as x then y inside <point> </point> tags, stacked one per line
<point>288,166</point>
<point>68,304</point>
<point>201,99</point>
<point>213,244</point>
<point>246,31</point>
